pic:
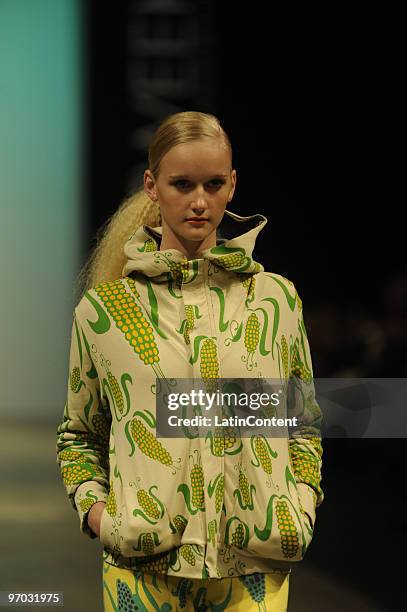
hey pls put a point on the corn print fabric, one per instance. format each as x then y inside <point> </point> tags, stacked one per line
<point>198,508</point>
<point>132,590</point>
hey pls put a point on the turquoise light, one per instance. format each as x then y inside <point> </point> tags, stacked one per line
<point>40,193</point>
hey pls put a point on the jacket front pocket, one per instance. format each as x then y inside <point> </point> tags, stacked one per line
<point>269,519</point>
<point>109,534</point>
<point>283,532</point>
<point>146,527</point>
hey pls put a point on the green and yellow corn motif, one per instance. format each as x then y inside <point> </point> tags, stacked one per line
<point>75,379</point>
<point>132,284</point>
<point>298,368</point>
<point>284,356</point>
<point>316,443</point>
<point>245,491</point>
<point>152,507</point>
<point>229,437</point>
<point>306,466</point>
<point>281,508</point>
<point>209,365</point>
<point>190,322</point>
<point>222,439</point>
<point>219,494</point>
<point>251,339</point>
<point>111,505</point>
<point>226,553</point>
<point>148,443</point>
<point>212,531</point>
<point>218,442</point>
<point>76,473</point>
<point>263,454</point>
<point>249,283</point>
<point>194,497</point>
<point>129,318</point>
<point>231,260</point>
<point>179,270</point>
<point>238,536</point>
<point>86,504</point>
<point>236,533</point>
<point>148,504</point>
<point>72,455</point>
<point>187,553</point>
<point>288,531</point>
<point>116,391</point>
<point>197,484</point>
<point>180,523</point>
<point>147,543</point>
<point>244,487</point>
<point>149,245</point>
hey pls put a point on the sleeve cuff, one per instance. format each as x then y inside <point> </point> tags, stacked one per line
<point>87,494</point>
<point>307,499</point>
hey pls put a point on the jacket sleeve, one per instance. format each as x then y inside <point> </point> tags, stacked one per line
<point>305,437</point>
<point>83,435</point>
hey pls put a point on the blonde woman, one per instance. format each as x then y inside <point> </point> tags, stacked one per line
<point>172,291</point>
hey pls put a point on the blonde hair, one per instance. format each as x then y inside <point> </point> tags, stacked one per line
<point>107,257</point>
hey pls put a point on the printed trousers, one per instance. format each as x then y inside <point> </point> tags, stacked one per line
<point>126,590</point>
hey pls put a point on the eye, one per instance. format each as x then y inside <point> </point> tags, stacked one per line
<point>180,183</point>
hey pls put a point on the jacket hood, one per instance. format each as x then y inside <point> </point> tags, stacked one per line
<point>236,238</point>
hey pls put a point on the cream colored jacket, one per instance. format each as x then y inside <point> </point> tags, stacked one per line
<point>213,506</point>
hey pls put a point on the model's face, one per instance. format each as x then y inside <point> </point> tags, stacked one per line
<point>195,181</point>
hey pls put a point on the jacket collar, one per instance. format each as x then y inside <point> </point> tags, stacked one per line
<point>236,238</point>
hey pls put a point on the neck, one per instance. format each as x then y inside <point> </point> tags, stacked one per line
<point>192,249</point>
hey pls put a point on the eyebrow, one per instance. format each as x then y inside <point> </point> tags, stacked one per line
<point>178,176</point>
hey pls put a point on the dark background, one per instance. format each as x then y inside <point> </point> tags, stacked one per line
<point>315,106</point>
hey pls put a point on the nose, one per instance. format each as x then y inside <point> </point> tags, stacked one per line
<point>200,200</point>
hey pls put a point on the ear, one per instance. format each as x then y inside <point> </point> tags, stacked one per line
<point>234,179</point>
<point>149,185</point>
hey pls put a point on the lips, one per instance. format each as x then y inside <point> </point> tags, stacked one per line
<point>197,219</point>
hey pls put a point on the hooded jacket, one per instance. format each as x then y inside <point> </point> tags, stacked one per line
<point>199,507</point>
